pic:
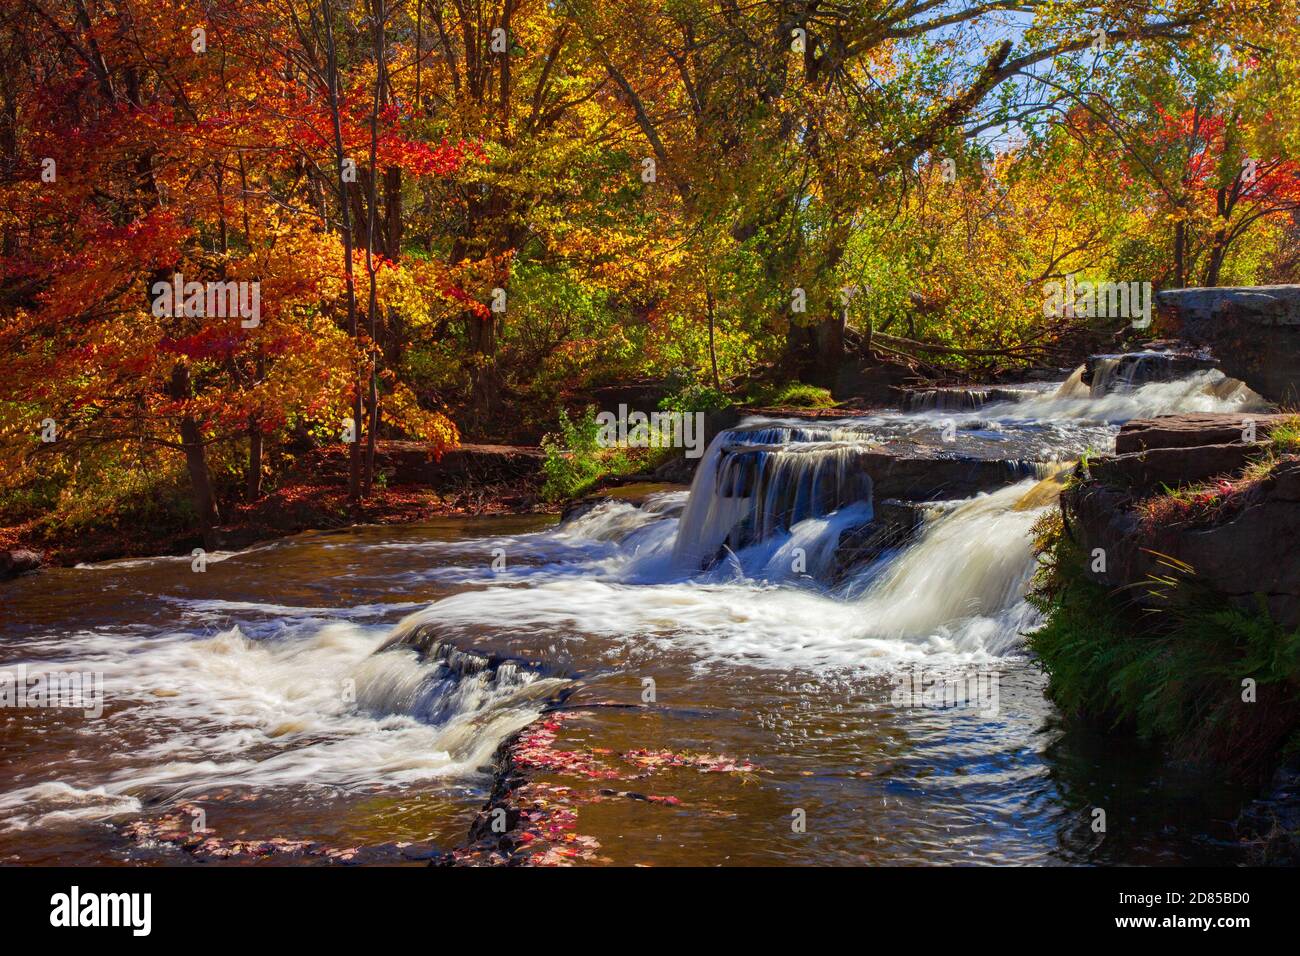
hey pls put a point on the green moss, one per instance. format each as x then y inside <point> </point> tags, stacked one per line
<point>793,395</point>
<point>1176,675</point>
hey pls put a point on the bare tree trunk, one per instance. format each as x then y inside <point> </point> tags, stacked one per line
<point>378,16</point>
<point>332,81</point>
<point>483,381</point>
<point>713,355</point>
<point>1180,255</point>
<point>254,460</point>
<point>196,460</point>
<point>1214,265</point>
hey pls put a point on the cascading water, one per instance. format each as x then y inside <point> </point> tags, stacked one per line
<point>961,399</point>
<point>1114,374</point>
<point>284,684</point>
<point>324,709</point>
<point>754,483</point>
<point>770,504</point>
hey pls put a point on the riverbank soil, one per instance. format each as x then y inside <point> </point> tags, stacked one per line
<point>413,486</point>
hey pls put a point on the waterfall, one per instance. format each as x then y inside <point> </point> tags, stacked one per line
<point>952,592</point>
<point>1121,392</point>
<point>1073,387</point>
<point>972,562</point>
<point>961,399</point>
<point>1126,372</point>
<point>754,483</point>
<point>307,707</point>
<point>1121,374</point>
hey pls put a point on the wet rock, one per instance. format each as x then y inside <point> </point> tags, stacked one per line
<point>919,475</point>
<point>960,399</point>
<point>1109,373</point>
<point>1253,330</point>
<point>906,471</point>
<point>894,524</point>
<point>576,509</point>
<point>1184,431</point>
<point>1270,825</point>
<point>14,563</point>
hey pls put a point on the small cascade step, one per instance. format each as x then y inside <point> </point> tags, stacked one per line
<point>764,479</point>
<point>1123,372</point>
<point>961,398</point>
<point>502,676</point>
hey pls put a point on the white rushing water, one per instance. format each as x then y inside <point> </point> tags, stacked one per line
<point>317,708</point>
<point>746,573</point>
<point>744,570</point>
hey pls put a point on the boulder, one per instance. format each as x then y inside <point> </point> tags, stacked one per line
<point>872,381</point>
<point>14,563</point>
<point>1248,556</point>
<point>636,396</point>
<point>1253,330</point>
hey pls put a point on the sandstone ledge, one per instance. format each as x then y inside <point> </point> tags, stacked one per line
<point>1246,553</point>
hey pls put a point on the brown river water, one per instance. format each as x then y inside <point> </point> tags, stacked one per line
<point>256,689</point>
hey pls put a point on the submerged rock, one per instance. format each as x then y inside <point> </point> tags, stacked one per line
<point>894,524</point>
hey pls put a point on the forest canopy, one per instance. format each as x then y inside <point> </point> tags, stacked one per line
<point>445,220</point>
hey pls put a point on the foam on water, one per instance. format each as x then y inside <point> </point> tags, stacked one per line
<point>319,709</point>
<point>743,572</point>
<point>1204,391</point>
<point>744,575</point>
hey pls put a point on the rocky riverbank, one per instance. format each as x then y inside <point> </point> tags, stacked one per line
<point>1172,590</point>
<point>1214,498</point>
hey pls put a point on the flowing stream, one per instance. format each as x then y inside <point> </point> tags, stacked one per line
<point>351,688</point>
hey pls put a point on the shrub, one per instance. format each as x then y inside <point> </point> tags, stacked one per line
<point>575,460</point>
<point>694,397</point>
